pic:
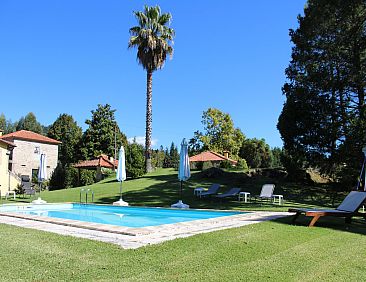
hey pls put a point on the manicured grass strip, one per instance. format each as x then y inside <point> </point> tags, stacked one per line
<point>267,251</point>
<point>161,188</point>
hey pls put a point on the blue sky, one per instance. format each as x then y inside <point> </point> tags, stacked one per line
<point>67,56</point>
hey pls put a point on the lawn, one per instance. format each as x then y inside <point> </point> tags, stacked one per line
<point>272,250</point>
<point>161,188</point>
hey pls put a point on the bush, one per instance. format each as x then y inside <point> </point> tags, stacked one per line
<point>19,190</point>
<point>242,164</point>
<point>207,165</point>
<point>226,164</point>
<point>71,177</point>
<point>87,177</point>
<point>57,180</point>
<point>199,165</point>
<point>63,177</point>
<point>135,160</point>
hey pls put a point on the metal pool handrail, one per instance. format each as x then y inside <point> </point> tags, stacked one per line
<point>86,191</point>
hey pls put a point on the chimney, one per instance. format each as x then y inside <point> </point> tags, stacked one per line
<point>111,159</point>
<point>1,132</point>
<point>226,154</point>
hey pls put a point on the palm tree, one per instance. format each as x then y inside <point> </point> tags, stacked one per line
<point>153,39</point>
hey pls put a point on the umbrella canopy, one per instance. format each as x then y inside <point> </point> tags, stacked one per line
<point>42,172</point>
<point>184,172</point>
<point>42,176</point>
<point>121,168</point>
<point>121,175</point>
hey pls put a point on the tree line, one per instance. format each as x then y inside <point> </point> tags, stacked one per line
<point>102,136</point>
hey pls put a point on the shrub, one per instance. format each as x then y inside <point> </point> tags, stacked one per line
<point>207,165</point>
<point>87,177</point>
<point>71,177</point>
<point>242,164</point>
<point>226,164</point>
<point>57,180</point>
<point>199,165</point>
<point>19,190</point>
<point>135,160</point>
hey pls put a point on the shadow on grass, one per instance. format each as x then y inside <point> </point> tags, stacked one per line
<point>167,192</point>
<point>357,226</point>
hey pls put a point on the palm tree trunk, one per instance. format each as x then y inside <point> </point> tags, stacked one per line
<point>148,166</point>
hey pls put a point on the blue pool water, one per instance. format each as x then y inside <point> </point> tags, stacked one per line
<point>120,216</point>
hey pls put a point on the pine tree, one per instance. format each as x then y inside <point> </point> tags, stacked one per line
<point>323,122</point>
<point>66,130</point>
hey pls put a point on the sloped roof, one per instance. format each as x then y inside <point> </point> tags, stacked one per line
<point>102,161</point>
<point>11,144</point>
<point>29,136</point>
<point>210,156</point>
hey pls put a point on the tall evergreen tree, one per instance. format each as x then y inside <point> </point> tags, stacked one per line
<point>174,156</point>
<point>100,137</point>
<point>66,130</point>
<point>323,119</point>
<point>153,39</point>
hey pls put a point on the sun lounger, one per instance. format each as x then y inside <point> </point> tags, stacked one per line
<point>266,192</point>
<point>231,193</point>
<point>348,208</point>
<point>211,191</point>
<point>27,186</point>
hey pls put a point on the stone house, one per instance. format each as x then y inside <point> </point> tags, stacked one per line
<point>8,181</point>
<point>25,157</point>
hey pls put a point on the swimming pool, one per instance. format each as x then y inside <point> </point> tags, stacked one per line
<point>118,216</point>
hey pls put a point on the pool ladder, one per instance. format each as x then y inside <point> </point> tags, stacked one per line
<point>86,192</point>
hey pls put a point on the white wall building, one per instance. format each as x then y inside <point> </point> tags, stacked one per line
<point>25,157</point>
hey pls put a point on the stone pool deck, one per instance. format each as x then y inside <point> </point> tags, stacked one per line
<point>131,238</point>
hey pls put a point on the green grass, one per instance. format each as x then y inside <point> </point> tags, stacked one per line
<point>161,188</point>
<point>273,250</point>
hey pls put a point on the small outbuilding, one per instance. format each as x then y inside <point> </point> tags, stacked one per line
<point>210,156</point>
<point>102,161</point>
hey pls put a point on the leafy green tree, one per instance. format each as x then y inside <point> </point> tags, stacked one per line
<point>153,39</point>
<point>323,119</point>
<point>29,122</point>
<point>256,152</point>
<point>103,130</point>
<point>135,163</point>
<point>195,145</point>
<point>66,130</point>
<point>219,134</point>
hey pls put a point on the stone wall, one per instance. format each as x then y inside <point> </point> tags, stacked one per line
<point>26,157</point>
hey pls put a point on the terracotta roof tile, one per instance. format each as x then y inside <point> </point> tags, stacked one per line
<point>29,136</point>
<point>11,144</point>
<point>210,156</point>
<point>102,161</point>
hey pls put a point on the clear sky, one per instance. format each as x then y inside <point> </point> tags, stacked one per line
<point>67,56</point>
